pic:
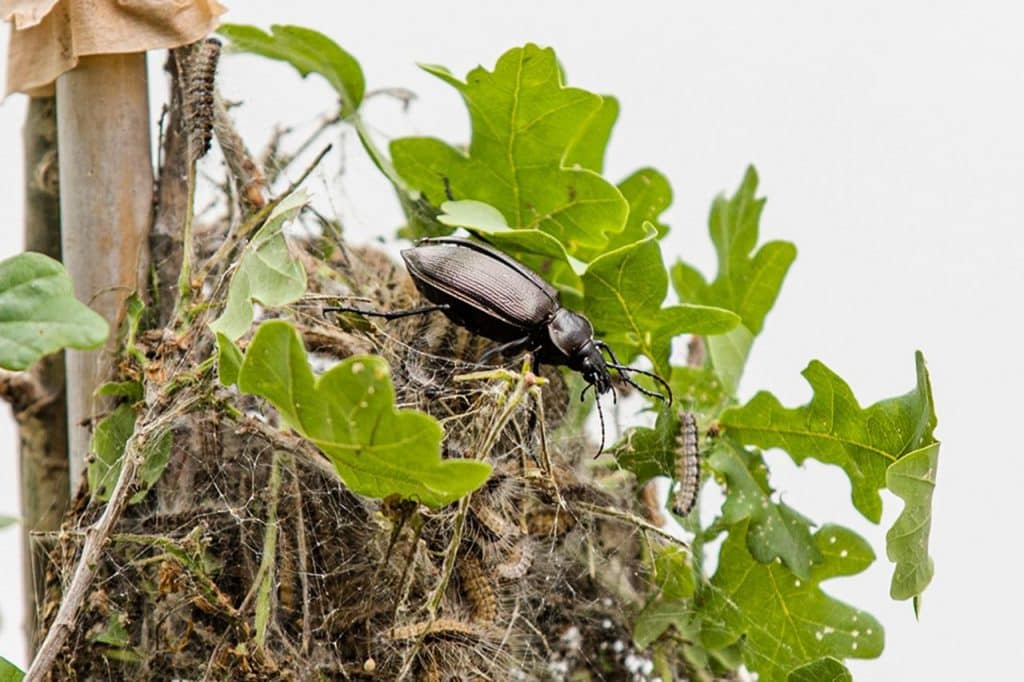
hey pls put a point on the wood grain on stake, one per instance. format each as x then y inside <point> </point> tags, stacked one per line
<point>106,186</point>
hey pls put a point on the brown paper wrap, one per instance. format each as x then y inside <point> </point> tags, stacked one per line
<point>49,36</point>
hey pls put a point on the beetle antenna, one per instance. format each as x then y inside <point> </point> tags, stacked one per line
<point>622,369</point>
<point>388,314</point>
<point>600,416</point>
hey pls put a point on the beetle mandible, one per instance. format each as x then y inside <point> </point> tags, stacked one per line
<point>492,295</point>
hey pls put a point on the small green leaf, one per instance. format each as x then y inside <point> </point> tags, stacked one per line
<point>6,521</point>
<point>775,530</point>
<point>912,478</point>
<point>624,291</point>
<point>834,429</point>
<point>39,313</point>
<point>825,669</point>
<point>746,284</point>
<point>10,672</point>
<point>114,634</point>
<point>266,272</point>
<point>229,360</point>
<point>649,452</point>
<point>107,445</point>
<point>155,457</point>
<point>130,390</point>
<point>788,621</point>
<point>349,414</point>
<point>474,215</point>
<point>527,130</point>
<point>309,52</point>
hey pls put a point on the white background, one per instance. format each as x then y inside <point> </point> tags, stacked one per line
<point>888,139</point>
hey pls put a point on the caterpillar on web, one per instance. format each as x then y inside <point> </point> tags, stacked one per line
<point>687,472</point>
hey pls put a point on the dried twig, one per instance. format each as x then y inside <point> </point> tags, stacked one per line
<point>265,577</point>
<point>275,164</point>
<point>631,519</point>
<point>247,172</point>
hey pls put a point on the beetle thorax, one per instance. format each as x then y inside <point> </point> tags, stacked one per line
<point>573,336</point>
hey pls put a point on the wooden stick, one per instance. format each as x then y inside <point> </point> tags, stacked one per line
<point>106,187</point>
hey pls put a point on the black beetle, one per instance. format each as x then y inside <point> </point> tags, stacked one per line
<point>490,294</point>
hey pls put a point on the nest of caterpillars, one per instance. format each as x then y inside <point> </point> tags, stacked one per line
<point>250,560</point>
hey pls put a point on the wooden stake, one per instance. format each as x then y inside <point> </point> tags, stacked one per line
<point>106,187</point>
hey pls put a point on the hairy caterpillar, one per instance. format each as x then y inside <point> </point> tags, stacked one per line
<point>200,72</point>
<point>687,465</point>
<point>518,561</point>
<point>478,590</point>
<point>442,627</point>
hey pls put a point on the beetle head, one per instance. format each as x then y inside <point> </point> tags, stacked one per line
<point>573,336</point>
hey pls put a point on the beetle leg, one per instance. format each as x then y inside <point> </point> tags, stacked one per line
<point>389,314</point>
<point>501,348</point>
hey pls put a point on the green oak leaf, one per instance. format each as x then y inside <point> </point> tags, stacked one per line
<point>774,529</point>
<point>746,284</point>
<point>266,272</point>
<point>527,130</point>
<point>309,52</point>
<point>349,414</point>
<point>833,428</point>
<point>673,573</point>
<point>700,389</point>
<point>912,478</point>
<point>727,356</point>
<point>39,313</point>
<point>10,672</point>
<point>788,621</point>
<point>827,669</point>
<point>107,445</point>
<point>649,452</point>
<point>660,614</point>
<point>648,194</point>
<point>623,295</point>
<point>672,605</point>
